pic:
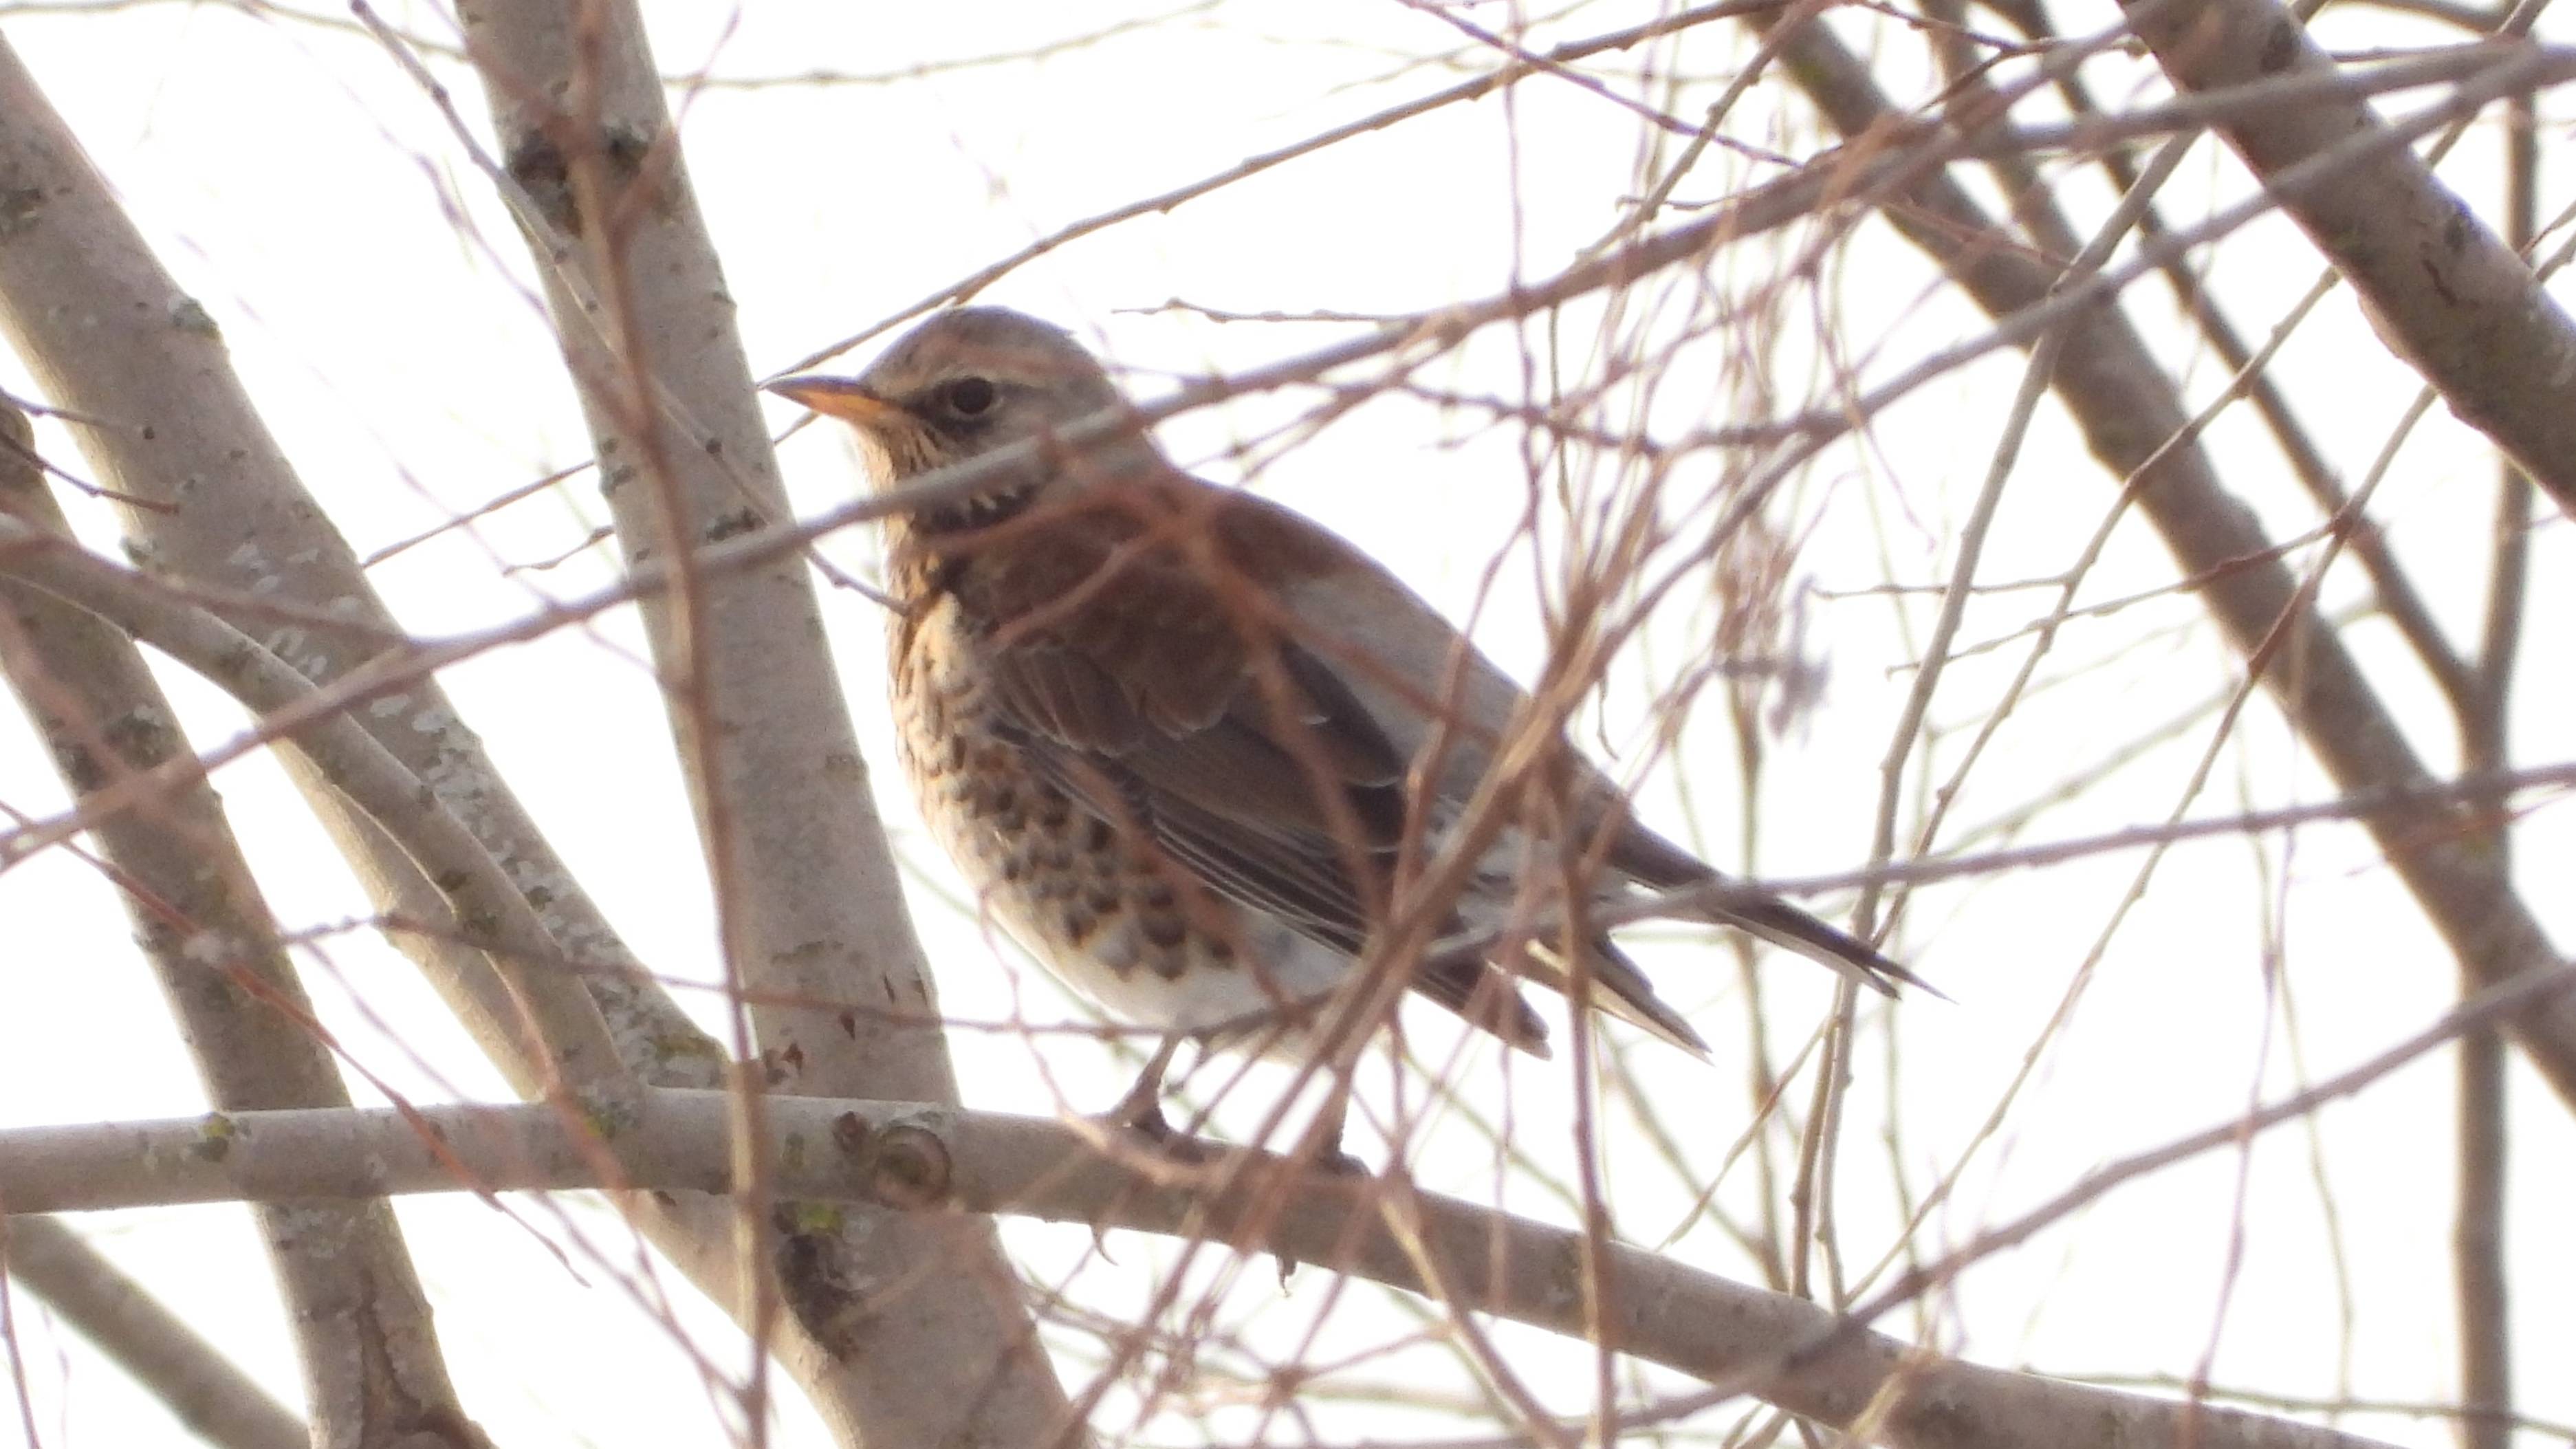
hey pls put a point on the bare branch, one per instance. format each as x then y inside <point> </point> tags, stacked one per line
<point>373,1369</point>
<point>920,1156</point>
<point>2482,1285</point>
<point>558,1025</point>
<point>214,1399</point>
<point>809,902</point>
<point>2444,292</point>
<point>2130,414</point>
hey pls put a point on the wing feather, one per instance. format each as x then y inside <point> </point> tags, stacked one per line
<point>1266,746</point>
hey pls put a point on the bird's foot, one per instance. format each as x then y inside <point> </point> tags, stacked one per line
<point>1341,1164</point>
<point>1144,1120</point>
<point>1321,1149</point>
<point>1140,1112</point>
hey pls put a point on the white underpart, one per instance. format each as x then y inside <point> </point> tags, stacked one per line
<point>1286,971</point>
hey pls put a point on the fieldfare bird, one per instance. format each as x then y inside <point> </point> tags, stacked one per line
<point>1187,742</point>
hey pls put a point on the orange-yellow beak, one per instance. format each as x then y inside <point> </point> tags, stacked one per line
<point>838,397</point>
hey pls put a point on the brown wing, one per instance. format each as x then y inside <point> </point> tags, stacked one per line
<point>1135,688</point>
<point>1419,681</point>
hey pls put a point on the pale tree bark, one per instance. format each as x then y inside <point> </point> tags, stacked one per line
<point>2479,1261</point>
<point>138,369</point>
<point>373,1374</point>
<point>2445,293</point>
<point>161,418</point>
<point>921,1319</point>
<point>931,1160</point>
<point>191,1376</point>
<point>208,500</point>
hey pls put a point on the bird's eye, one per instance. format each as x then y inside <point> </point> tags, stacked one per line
<point>969,396</point>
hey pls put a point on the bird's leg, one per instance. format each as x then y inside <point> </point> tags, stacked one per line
<point>1322,1147</point>
<point>1323,1143</point>
<point>1141,1110</point>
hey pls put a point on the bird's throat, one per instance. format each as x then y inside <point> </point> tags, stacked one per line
<point>973,513</point>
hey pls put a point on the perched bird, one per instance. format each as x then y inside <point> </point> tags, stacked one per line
<point>1178,735</point>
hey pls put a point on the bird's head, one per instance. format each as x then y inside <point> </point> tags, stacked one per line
<point>969,382</point>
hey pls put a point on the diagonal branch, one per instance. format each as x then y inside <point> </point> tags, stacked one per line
<point>157,409</point>
<point>2131,417</point>
<point>191,1376</point>
<point>372,1366</point>
<point>2445,293</point>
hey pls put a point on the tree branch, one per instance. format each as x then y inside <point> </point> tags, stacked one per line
<point>2130,416</point>
<point>136,367</point>
<point>924,1157</point>
<point>2444,292</point>
<point>373,1370</point>
<point>190,1376</point>
<point>809,903</point>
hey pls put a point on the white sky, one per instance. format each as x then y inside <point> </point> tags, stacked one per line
<point>301,189</point>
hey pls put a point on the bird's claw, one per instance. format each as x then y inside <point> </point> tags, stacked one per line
<point>1145,1120</point>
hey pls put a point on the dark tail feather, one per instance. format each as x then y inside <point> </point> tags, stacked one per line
<point>1618,988</point>
<point>1487,998</point>
<point>1784,925</point>
<point>1652,861</point>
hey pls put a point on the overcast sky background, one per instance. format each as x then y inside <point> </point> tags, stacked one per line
<point>376,300</point>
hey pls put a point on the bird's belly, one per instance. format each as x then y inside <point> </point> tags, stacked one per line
<point>1284,984</point>
<point>1108,915</point>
